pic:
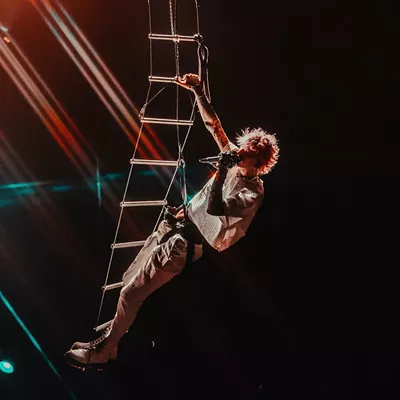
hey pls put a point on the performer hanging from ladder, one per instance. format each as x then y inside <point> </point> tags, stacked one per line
<point>220,213</point>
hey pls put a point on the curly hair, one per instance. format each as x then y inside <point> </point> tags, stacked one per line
<point>264,144</point>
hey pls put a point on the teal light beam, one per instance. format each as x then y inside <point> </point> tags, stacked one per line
<point>32,339</point>
<point>21,185</point>
<point>98,183</point>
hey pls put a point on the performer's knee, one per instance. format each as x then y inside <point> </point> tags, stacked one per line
<point>171,255</point>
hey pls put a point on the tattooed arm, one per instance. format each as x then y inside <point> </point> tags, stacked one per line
<point>210,118</point>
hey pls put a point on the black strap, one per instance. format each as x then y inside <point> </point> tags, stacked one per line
<point>203,53</point>
<point>189,231</point>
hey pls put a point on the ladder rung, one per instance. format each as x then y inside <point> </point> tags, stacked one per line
<point>128,244</point>
<point>112,286</point>
<point>165,121</point>
<point>162,79</point>
<point>103,326</point>
<point>144,203</point>
<point>174,38</point>
<point>164,163</point>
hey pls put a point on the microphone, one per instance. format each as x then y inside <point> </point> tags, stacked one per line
<point>228,158</point>
<point>210,160</point>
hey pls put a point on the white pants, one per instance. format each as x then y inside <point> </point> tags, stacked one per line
<point>156,264</point>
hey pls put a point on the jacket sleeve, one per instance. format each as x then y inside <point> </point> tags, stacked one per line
<point>246,202</point>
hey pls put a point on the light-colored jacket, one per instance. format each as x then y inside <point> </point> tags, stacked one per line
<point>242,198</point>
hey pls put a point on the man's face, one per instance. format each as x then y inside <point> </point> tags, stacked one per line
<point>248,159</point>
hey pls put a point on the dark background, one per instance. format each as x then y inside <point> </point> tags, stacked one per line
<point>305,305</point>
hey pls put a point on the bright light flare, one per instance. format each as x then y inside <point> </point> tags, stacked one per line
<point>6,367</point>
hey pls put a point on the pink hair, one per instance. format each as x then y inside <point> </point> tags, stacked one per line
<point>263,144</point>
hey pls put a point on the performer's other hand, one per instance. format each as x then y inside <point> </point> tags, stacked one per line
<point>189,81</point>
<point>180,215</point>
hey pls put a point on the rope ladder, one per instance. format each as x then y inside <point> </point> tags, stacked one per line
<point>181,125</point>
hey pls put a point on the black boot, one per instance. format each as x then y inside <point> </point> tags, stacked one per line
<point>94,354</point>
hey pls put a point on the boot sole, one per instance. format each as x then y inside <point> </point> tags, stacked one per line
<point>83,367</point>
<point>79,347</point>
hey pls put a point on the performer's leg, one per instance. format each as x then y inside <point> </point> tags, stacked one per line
<point>164,262</point>
<point>152,241</point>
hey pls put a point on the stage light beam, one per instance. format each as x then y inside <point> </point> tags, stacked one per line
<point>35,343</point>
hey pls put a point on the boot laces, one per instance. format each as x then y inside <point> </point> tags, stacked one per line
<point>98,343</point>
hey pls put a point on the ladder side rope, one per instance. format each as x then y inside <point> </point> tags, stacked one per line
<point>120,216</point>
<point>181,161</point>
<point>176,170</point>
<point>197,15</point>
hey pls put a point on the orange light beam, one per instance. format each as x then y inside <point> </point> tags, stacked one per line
<point>92,83</point>
<point>111,76</point>
<point>97,75</point>
<point>30,97</point>
<point>52,96</point>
